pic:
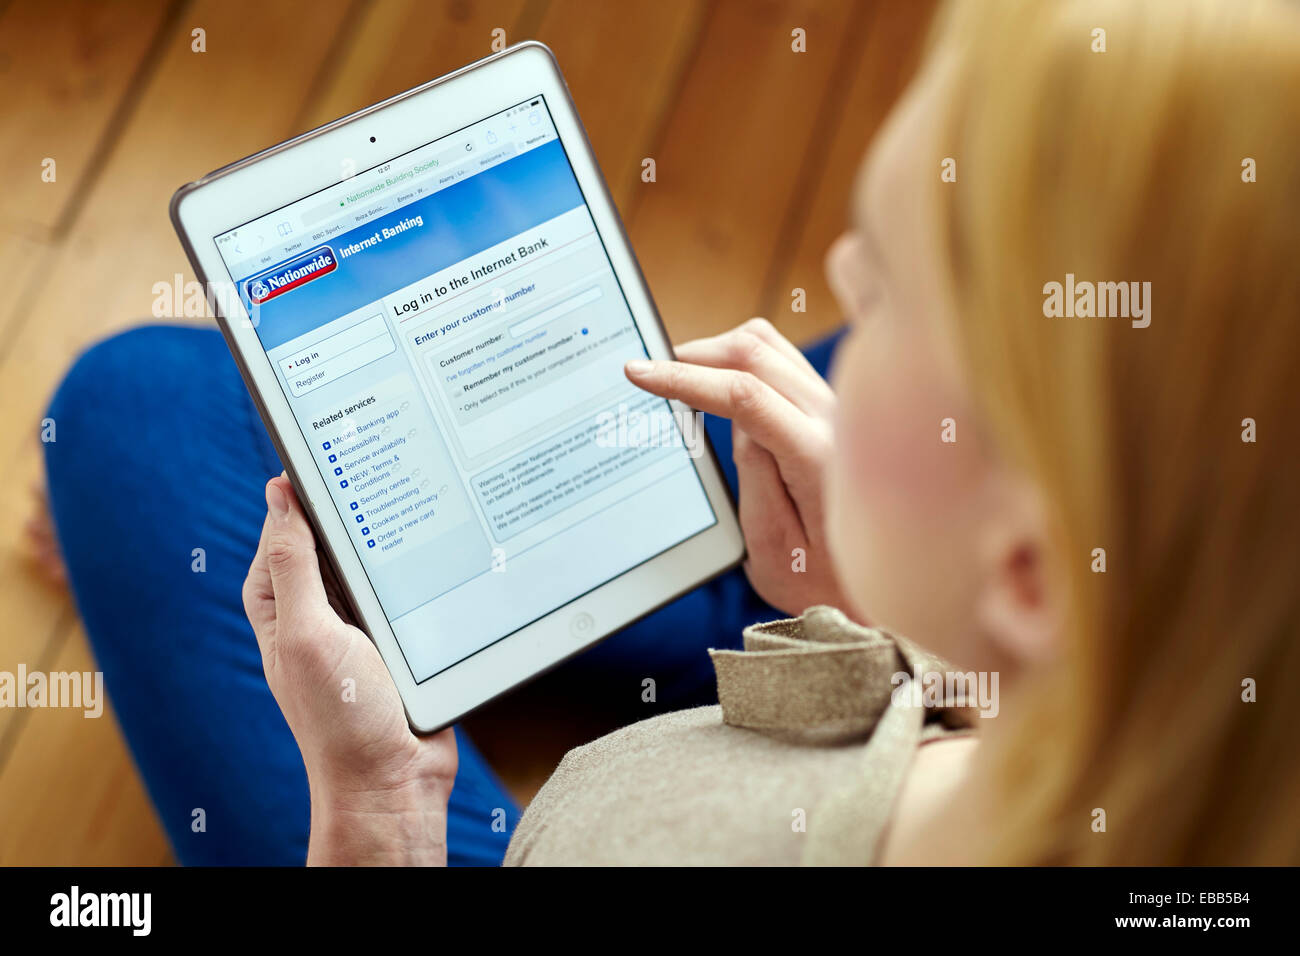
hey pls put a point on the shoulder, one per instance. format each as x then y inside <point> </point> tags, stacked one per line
<point>683,789</point>
<point>604,794</point>
<point>932,793</point>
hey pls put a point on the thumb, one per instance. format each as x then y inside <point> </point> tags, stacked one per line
<point>291,556</point>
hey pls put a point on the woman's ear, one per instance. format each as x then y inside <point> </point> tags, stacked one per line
<point>1017,609</point>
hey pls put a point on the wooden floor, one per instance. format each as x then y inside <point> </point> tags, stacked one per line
<point>755,148</point>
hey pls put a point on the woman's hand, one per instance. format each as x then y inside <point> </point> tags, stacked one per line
<point>781,415</point>
<point>378,792</point>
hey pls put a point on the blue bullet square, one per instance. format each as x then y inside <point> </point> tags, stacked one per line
<point>333,458</point>
<point>353,506</point>
<point>360,518</point>
<point>326,446</point>
<point>370,542</point>
<point>343,483</point>
<point>338,471</point>
<point>365,531</point>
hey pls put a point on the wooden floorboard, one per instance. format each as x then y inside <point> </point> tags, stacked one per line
<point>880,63</point>
<point>20,258</point>
<point>373,67</point>
<point>65,68</point>
<point>706,229</point>
<point>624,109</point>
<point>69,794</point>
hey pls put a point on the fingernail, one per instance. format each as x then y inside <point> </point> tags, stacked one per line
<point>275,499</point>
<point>639,367</point>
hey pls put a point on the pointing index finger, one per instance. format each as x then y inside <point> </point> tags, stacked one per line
<point>766,415</point>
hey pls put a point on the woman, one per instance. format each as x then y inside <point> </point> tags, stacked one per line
<point>1099,510</point>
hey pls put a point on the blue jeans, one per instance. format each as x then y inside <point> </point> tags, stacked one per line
<point>155,483</point>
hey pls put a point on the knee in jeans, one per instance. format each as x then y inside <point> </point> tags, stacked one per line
<point>139,372</point>
<point>119,360</point>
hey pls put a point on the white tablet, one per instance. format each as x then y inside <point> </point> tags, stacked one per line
<point>431,302</point>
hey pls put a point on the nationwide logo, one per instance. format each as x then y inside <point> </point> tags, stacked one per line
<point>289,275</point>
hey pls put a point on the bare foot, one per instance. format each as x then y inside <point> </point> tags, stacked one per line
<point>41,539</point>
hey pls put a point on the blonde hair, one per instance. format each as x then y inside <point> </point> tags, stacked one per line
<point>1129,165</point>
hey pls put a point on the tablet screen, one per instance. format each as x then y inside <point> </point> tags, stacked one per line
<point>450,336</point>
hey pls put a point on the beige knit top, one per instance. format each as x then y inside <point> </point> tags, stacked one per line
<point>799,762</point>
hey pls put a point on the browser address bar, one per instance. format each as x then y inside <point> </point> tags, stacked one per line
<point>440,164</point>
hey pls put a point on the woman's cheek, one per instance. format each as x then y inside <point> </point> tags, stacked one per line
<point>898,491</point>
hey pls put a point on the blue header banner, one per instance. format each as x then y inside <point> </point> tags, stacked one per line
<point>415,241</point>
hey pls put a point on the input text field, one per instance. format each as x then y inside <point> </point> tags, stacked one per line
<point>520,329</point>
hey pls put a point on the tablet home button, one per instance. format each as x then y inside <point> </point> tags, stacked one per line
<point>582,625</point>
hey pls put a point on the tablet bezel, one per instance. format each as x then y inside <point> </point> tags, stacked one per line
<point>252,187</point>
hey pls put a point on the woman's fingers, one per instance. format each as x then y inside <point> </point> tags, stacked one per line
<point>259,596</point>
<point>284,595</point>
<point>291,555</point>
<point>746,352</point>
<point>768,332</point>
<point>757,408</point>
<point>767,515</point>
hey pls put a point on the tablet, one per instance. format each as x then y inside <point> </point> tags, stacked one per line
<point>431,302</point>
